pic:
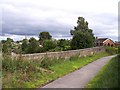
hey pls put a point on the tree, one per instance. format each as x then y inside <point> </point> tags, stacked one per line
<point>49,44</point>
<point>43,36</point>
<point>3,41</point>
<point>10,40</point>
<point>7,46</point>
<point>25,45</point>
<point>6,49</point>
<point>33,46</point>
<point>64,44</point>
<point>83,37</point>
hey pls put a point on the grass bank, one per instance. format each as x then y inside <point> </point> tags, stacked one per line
<point>33,74</point>
<point>107,77</point>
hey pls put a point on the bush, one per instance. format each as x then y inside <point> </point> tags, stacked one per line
<point>112,50</point>
<point>13,65</point>
<point>40,50</point>
<point>49,44</point>
<point>66,48</point>
<point>56,49</point>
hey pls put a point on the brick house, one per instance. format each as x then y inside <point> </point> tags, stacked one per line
<point>104,42</point>
<point>117,43</point>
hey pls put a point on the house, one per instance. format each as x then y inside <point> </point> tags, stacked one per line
<point>117,43</point>
<point>104,42</point>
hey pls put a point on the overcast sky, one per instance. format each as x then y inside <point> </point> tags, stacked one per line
<point>30,17</point>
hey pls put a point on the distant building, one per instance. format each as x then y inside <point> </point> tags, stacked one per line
<point>117,43</point>
<point>104,42</point>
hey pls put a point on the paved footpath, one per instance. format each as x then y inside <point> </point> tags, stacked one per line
<point>80,78</point>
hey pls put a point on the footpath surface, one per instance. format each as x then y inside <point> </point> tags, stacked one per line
<point>81,77</point>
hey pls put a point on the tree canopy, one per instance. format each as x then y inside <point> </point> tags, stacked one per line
<point>49,44</point>
<point>7,46</point>
<point>43,36</point>
<point>33,46</point>
<point>25,45</point>
<point>83,37</point>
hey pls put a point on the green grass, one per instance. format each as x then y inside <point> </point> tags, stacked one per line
<point>33,74</point>
<point>107,77</point>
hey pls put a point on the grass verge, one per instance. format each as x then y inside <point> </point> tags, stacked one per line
<point>24,74</point>
<point>107,77</point>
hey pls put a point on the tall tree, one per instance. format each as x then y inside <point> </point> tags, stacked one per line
<point>43,36</point>
<point>83,37</point>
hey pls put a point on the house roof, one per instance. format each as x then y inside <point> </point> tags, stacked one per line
<point>101,40</point>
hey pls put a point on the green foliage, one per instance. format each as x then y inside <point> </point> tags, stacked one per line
<point>3,41</point>
<point>112,50</point>
<point>56,49</point>
<point>41,49</point>
<point>9,40</point>
<point>16,73</point>
<point>25,45</point>
<point>17,49</point>
<point>31,74</point>
<point>7,46</point>
<point>33,46</point>
<point>47,62</point>
<point>66,48</point>
<point>49,44</point>
<point>75,63</point>
<point>43,36</point>
<point>74,57</point>
<point>83,37</point>
<point>107,77</point>
<point>12,65</point>
<point>64,44</point>
<point>82,40</point>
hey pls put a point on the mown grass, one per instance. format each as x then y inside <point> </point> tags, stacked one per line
<point>33,74</point>
<point>107,77</point>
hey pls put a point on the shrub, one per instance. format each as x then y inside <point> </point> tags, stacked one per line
<point>13,65</point>
<point>66,48</point>
<point>49,44</point>
<point>112,50</point>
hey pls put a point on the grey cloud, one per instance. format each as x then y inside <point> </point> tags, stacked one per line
<point>21,26</point>
<point>20,22</point>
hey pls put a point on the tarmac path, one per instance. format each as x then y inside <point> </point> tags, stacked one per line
<point>81,77</point>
